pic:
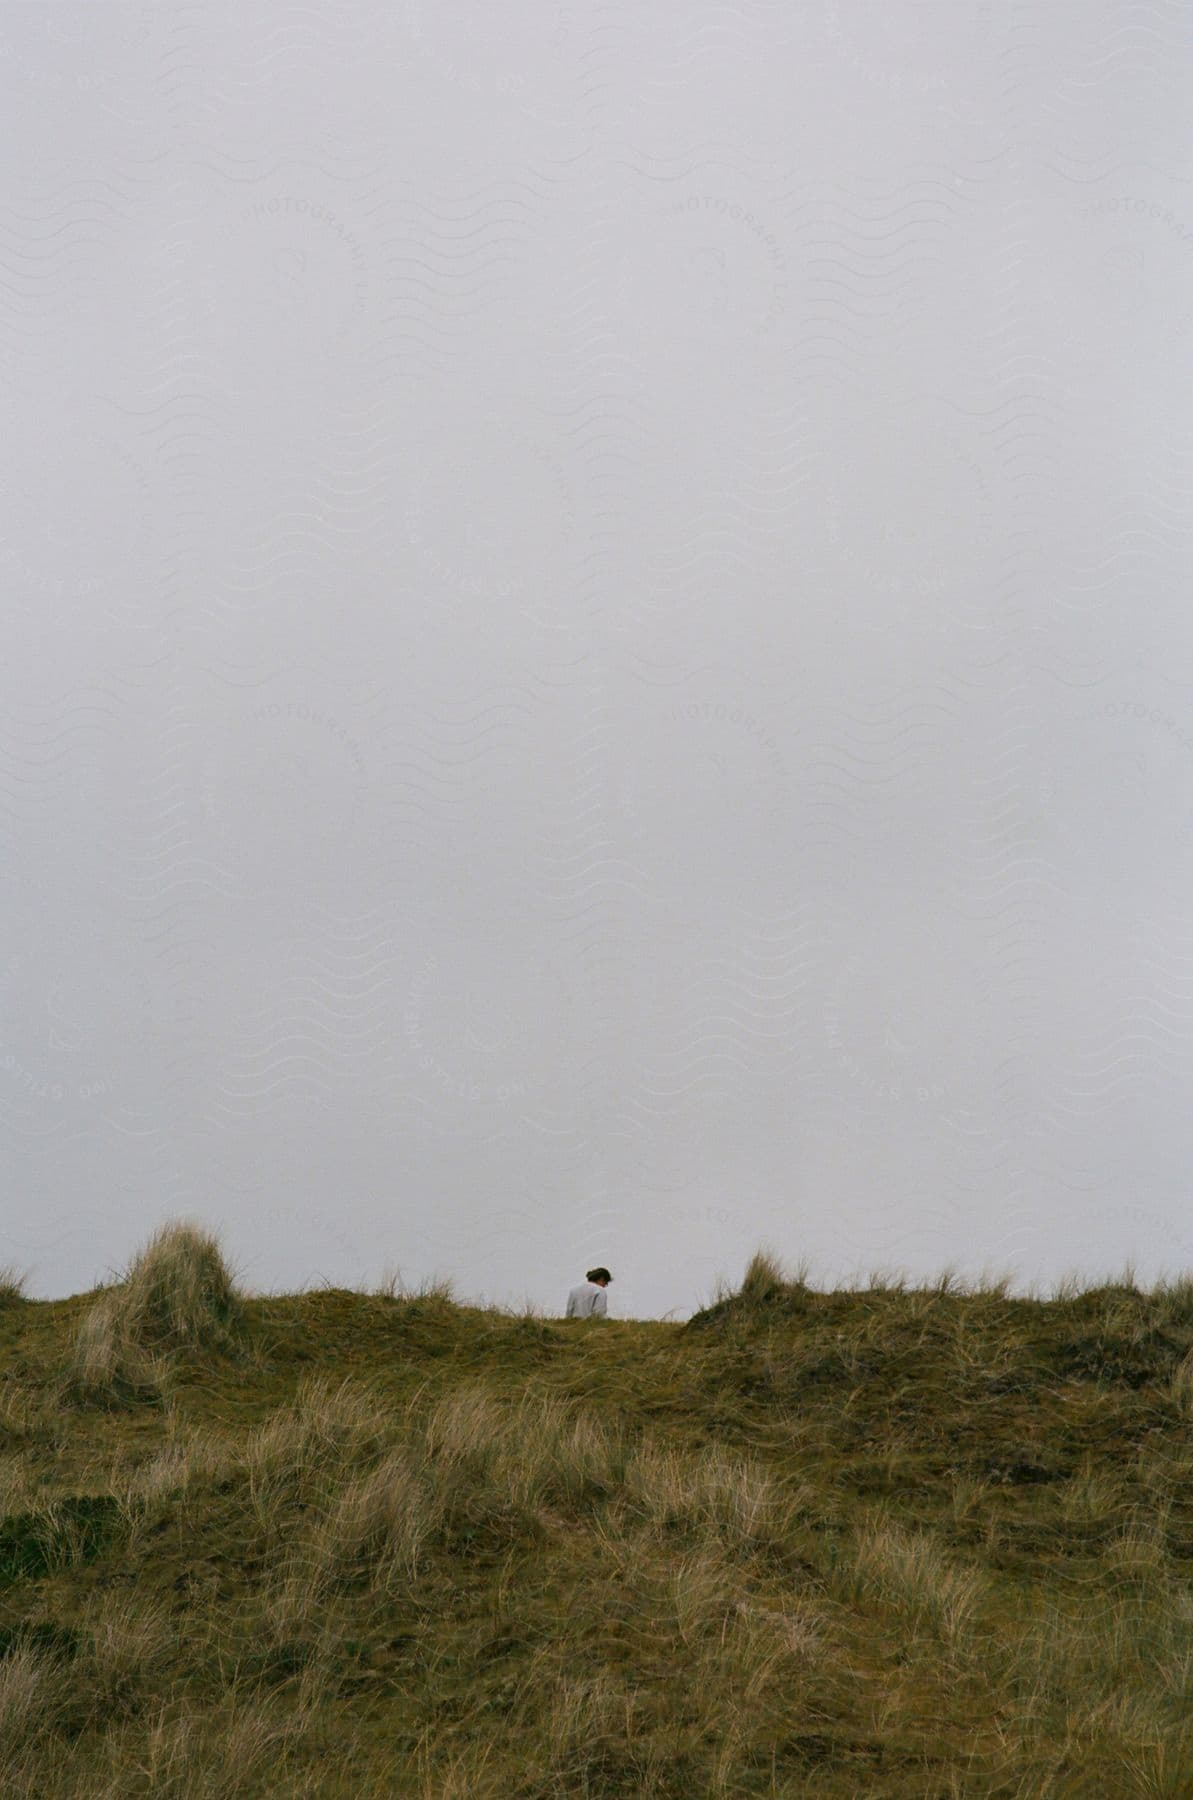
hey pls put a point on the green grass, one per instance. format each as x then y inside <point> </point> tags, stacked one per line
<point>899,1541</point>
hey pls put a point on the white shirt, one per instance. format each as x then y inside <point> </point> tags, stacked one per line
<point>586,1300</point>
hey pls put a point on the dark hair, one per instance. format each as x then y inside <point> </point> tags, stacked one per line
<point>598,1275</point>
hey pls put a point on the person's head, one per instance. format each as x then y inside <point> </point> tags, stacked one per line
<point>602,1277</point>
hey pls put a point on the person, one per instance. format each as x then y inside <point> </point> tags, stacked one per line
<point>587,1301</point>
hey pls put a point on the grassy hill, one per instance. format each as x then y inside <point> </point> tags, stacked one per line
<point>904,1542</point>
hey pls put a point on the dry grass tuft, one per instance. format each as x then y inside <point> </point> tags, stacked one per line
<point>107,1368</point>
<point>910,1572</point>
<point>763,1280</point>
<point>177,1296</point>
<point>12,1285</point>
<point>1180,1390</point>
<point>179,1293</point>
<point>33,1689</point>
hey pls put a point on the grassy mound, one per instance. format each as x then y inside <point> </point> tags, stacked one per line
<point>903,1542</point>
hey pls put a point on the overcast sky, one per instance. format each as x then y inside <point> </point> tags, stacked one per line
<point>598,655</point>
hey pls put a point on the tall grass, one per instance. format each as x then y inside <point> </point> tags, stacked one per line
<point>177,1296</point>
<point>903,1541</point>
<point>179,1293</point>
<point>12,1284</point>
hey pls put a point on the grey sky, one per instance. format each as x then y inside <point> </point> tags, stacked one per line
<point>598,657</point>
